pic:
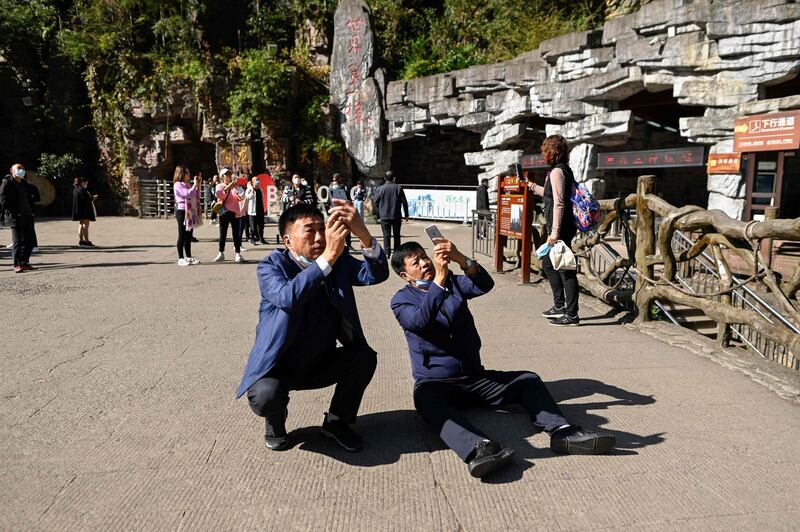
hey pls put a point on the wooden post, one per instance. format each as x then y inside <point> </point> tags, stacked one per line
<point>527,237</point>
<point>725,281</point>
<point>645,245</point>
<point>770,213</point>
<point>499,242</point>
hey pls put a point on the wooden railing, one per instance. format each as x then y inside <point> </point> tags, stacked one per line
<point>657,254</point>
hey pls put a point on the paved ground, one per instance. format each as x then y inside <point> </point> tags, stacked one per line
<point>117,411</point>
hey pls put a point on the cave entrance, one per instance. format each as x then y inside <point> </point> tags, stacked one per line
<point>436,157</point>
<point>197,155</point>
<point>656,147</point>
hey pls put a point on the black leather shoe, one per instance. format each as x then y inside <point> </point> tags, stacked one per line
<point>575,440</point>
<point>275,435</point>
<point>566,321</point>
<point>343,434</point>
<point>488,457</point>
<point>553,313</point>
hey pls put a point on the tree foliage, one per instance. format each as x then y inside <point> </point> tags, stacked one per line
<point>250,51</point>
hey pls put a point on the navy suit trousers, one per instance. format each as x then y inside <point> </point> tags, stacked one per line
<point>439,401</point>
<point>349,368</point>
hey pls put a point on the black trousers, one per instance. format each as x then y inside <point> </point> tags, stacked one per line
<point>256,228</point>
<point>439,401</point>
<point>23,239</point>
<point>391,228</point>
<point>564,284</point>
<point>184,235</point>
<point>225,220</point>
<point>349,368</point>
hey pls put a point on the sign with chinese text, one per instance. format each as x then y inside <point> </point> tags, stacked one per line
<point>533,161</point>
<point>236,157</point>
<point>510,209</point>
<point>724,163</point>
<point>673,157</point>
<point>511,184</point>
<point>773,131</point>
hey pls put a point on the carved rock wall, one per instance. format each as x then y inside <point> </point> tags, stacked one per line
<point>719,55</point>
<point>357,88</point>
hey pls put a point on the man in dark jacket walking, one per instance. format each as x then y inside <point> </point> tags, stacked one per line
<point>18,196</point>
<point>390,200</point>
<point>482,196</point>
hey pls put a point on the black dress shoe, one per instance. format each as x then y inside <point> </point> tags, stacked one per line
<point>194,239</point>
<point>488,457</point>
<point>553,313</point>
<point>343,434</point>
<point>575,440</point>
<point>275,436</point>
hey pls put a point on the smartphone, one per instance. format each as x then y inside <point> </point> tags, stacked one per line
<point>519,172</point>
<point>433,232</point>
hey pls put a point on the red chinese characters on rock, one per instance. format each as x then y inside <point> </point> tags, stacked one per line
<point>354,110</point>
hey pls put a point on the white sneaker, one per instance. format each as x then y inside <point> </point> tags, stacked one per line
<point>35,250</point>
<point>239,259</point>
<point>220,257</point>
<point>193,261</point>
<point>9,246</point>
<point>183,262</point>
<point>242,250</point>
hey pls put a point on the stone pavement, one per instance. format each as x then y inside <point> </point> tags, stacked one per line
<point>119,370</point>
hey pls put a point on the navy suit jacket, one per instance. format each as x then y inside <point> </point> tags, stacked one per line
<point>284,313</point>
<point>442,339</point>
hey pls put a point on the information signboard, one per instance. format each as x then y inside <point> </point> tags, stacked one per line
<point>724,163</point>
<point>769,132</point>
<point>535,160</point>
<point>673,157</point>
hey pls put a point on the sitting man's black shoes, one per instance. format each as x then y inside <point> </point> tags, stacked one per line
<point>343,434</point>
<point>487,457</point>
<point>553,313</point>
<point>275,435</point>
<point>575,440</point>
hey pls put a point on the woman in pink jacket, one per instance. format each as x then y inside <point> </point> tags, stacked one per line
<point>227,193</point>
<point>187,196</point>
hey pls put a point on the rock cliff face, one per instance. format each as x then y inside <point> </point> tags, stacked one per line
<point>357,87</point>
<point>721,57</point>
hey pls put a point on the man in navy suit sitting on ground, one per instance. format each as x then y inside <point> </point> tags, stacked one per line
<point>444,347</point>
<point>307,304</point>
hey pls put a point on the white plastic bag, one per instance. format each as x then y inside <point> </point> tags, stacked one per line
<point>562,257</point>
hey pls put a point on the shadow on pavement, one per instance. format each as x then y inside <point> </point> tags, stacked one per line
<point>388,435</point>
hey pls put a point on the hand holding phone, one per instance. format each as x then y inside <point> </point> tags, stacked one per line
<point>433,233</point>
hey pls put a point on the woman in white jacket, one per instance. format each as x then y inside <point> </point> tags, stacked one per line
<point>250,207</point>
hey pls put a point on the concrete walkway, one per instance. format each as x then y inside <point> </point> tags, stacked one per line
<point>119,370</point>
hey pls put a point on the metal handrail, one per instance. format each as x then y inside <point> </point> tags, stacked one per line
<point>687,243</point>
<point>741,296</point>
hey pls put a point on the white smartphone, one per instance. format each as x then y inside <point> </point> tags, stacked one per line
<point>433,232</point>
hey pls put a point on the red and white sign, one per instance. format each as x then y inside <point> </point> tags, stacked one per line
<point>724,163</point>
<point>768,132</point>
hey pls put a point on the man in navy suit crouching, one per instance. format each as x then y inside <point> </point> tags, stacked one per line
<point>307,304</point>
<point>444,347</point>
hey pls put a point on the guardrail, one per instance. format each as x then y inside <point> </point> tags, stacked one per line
<point>483,233</point>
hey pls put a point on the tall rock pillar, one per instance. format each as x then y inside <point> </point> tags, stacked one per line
<point>357,88</point>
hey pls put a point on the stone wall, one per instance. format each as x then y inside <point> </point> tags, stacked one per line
<point>720,55</point>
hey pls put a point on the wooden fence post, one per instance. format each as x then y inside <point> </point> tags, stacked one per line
<point>645,245</point>
<point>770,213</point>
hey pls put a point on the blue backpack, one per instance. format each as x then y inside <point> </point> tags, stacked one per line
<point>585,208</point>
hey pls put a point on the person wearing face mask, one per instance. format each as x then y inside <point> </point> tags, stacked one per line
<point>228,194</point>
<point>444,347</point>
<point>255,211</point>
<point>307,305</point>
<point>18,197</point>
<point>299,193</point>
